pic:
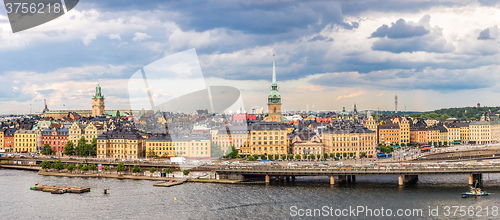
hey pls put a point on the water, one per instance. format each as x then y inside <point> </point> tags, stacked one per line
<point>138,199</point>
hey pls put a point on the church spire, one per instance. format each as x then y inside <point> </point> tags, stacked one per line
<point>274,85</point>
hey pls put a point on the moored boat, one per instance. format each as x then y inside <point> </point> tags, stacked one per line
<point>474,192</point>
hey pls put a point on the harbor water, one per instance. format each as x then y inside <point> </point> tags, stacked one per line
<point>307,197</point>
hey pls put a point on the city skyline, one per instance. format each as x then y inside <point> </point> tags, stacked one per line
<point>329,55</point>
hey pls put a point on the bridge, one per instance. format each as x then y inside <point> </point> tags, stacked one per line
<point>407,174</point>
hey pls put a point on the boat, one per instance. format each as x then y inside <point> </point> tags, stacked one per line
<point>474,192</point>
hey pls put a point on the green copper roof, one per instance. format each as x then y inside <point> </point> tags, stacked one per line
<point>274,95</point>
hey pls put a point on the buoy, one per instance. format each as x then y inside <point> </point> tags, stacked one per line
<point>175,199</point>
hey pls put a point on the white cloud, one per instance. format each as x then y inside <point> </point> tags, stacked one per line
<point>115,37</point>
<point>138,36</point>
<point>87,39</point>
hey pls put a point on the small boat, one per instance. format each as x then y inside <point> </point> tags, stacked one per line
<point>474,192</point>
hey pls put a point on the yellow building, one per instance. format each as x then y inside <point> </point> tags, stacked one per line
<point>2,146</point>
<point>404,130</point>
<point>433,135</point>
<point>350,140</point>
<point>464,132</point>
<point>267,138</point>
<point>89,131</point>
<point>370,123</point>
<point>167,146</point>
<point>25,140</point>
<point>453,133</point>
<point>418,135</point>
<point>484,132</point>
<point>237,136</point>
<point>120,144</point>
<point>389,133</point>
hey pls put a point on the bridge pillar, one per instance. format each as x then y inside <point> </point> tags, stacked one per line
<point>293,178</point>
<point>288,178</point>
<point>400,180</point>
<point>473,178</point>
<point>353,178</point>
<point>267,178</point>
<point>332,180</point>
<point>411,178</point>
<point>342,178</point>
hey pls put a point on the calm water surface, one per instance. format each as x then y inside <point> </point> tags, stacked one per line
<point>138,199</point>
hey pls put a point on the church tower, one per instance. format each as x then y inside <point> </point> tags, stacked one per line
<point>97,102</point>
<point>274,99</point>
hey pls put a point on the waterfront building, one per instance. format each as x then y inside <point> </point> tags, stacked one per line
<point>274,100</point>
<point>268,138</point>
<point>183,146</point>
<point>2,132</point>
<point>346,139</point>
<point>453,133</point>
<point>237,136</point>
<point>433,135</point>
<point>8,139</point>
<point>389,133</point>
<point>25,141</point>
<point>443,134</point>
<point>56,138</point>
<point>90,131</point>
<point>404,129</point>
<point>464,132</point>
<point>418,135</point>
<point>484,132</point>
<point>120,144</point>
<point>305,143</point>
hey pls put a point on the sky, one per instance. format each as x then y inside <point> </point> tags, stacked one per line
<point>329,54</point>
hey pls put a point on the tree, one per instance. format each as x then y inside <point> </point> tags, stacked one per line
<point>332,155</point>
<point>168,171</point>
<point>363,154</point>
<point>344,155</point>
<point>337,155</point>
<point>312,156</point>
<point>445,143</point>
<point>251,158</point>
<point>152,170</point>
<point>70,167</point>
<point>93,167</point>
<point>318,156</point>
<point>47,150</point>
<point>276,156</point>
<point>85,167</point>
<point>256,156</point>
<point>136,169</point>
<point>429,143</point>
<point>233,154</point>
<point>93,147</point>
<point>351,154</point>
<point>283,156</point>
<point>263,157</point>
<point>45,164</point>
<point>216,151</point>
<point>69,149</point>
<point>81,147</point>
<point>57,165</point>
<point>325,156</point>
<point>106,168</point>
<point>270,157</point>
<point>80,166</point>
<point>120,167</point>
<point>290,156</point>
<point>152,153</point>
<point>117,113</point>
<point>298,157</point>
<point>185,172</point>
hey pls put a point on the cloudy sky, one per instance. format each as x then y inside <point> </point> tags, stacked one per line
<point>432,54</point>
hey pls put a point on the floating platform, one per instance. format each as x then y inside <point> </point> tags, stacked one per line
<point>169,183</point>
<point>60,189</point>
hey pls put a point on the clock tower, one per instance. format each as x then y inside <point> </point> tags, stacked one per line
<point>274,99</point>
<point>97,102</point>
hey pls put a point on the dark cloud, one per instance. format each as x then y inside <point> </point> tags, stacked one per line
<point>485,35</point>
<point>321,38</point>
<point>427,79</point>
<point>400,29</point>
